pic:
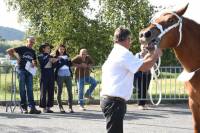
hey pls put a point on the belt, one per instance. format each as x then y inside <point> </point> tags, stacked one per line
<point>114,98</point>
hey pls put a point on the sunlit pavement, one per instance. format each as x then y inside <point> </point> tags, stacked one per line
<point>166,118</point>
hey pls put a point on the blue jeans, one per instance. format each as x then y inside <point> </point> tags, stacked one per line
<point>26,87</point>
<point>80,83</point>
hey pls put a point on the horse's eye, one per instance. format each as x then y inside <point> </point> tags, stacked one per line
<point>171,20</point>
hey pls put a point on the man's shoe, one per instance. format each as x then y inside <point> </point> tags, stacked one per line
<point>34,111</point>
<point>89,97</point>
<point>61,109</point>
<point>49,111</point>
<point>71,110</point>
<point>24,111</point>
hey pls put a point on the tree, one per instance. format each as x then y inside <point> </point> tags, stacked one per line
<point>64,21</point>
<point>3,47</point>
<point>134,14</point>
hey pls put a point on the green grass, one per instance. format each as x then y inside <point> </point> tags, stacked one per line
<point>170,88</point>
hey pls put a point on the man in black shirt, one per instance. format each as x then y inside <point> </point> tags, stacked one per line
<point>25,54</point>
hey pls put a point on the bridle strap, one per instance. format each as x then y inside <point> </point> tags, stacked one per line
<point>163,32</point>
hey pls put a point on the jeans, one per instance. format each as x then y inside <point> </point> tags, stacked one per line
<point>68,82</point>
<point>26,88</point>
<point>114,112</point>
<point>80,83</point>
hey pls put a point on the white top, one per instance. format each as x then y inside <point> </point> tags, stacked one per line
<point>64,57</point>
<point>118,72</point>
<point>64,67</point>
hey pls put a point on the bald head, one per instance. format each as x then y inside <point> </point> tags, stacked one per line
<point>83,53</point>
<point>30,41</point>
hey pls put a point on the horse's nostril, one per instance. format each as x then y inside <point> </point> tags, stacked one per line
<point>147,34</point>
<point>141,35</point>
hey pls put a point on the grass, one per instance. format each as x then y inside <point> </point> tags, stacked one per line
<point>167,84</point>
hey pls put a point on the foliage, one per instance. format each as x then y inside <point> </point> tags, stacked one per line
<point>5,67</point>
<point>65,21</point>
<point>4,45</point>
<point>3,48</point>
<point>134,14</point>
<point>169,59</point>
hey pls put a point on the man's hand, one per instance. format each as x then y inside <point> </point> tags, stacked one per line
<point>84,65</point>
<point>34,63</point>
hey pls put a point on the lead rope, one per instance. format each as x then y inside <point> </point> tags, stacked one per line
<point>155,72</point>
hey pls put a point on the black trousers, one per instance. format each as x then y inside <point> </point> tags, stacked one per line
<point>47,88</point>
<point>68,82</point>
<point>141,82</point>
<point>114,112</point>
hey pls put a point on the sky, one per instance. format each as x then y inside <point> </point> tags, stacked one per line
<point>10,18</point>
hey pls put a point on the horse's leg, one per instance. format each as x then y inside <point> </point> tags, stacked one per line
<point>195,108</point>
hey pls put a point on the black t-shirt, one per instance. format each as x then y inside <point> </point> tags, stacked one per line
<point>25,54</point>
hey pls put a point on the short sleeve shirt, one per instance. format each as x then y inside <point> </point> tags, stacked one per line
<point>118,72</point>
<point>25,54</point>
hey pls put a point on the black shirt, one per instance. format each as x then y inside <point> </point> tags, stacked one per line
<point>25,54</point>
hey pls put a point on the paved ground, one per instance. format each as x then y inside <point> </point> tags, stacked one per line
<point>161,119</point>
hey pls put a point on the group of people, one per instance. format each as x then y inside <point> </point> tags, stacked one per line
<point>53,68</point>
<point>117,76</point>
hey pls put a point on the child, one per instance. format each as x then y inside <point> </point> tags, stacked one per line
<point>64,75</point>
<point>47,78</point>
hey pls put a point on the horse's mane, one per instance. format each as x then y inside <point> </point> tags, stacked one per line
<point>192,31</point>
<point>192,23</point>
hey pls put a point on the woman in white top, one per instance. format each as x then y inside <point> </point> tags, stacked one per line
<point>64,75</point>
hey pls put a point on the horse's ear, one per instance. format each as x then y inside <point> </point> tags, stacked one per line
<point>181,11</point>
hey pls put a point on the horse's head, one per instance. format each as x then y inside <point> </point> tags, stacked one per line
<point>165,31</point>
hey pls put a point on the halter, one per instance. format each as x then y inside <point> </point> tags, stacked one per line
<point>163,32</point>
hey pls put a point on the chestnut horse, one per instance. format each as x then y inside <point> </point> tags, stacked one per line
<point>172,30</point>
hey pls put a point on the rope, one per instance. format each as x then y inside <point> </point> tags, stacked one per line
<point>155,72</point>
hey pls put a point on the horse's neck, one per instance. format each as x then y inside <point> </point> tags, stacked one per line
<point>188,52</point>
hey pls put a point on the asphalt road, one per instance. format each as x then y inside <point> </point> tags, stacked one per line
<point>166,118</point>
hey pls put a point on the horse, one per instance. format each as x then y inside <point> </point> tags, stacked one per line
<point>172,30</point>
